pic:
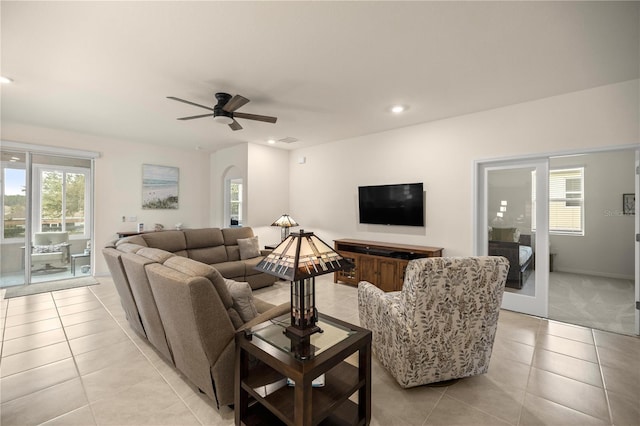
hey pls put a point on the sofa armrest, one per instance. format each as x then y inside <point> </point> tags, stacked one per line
<point>261,305</point>
<point>274,312</point>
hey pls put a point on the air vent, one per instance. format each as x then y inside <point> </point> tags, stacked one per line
<point>288,139</point>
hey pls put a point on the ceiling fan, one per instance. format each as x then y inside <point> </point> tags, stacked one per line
<point>225,110</point>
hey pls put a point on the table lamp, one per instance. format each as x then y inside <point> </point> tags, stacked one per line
<point>284,222</point>
<point>300,258</point>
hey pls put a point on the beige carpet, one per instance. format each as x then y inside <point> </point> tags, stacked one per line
<point>28,289</point>
<point>596,302</point>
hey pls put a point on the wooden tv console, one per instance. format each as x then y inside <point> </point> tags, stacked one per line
<point>382,264</point>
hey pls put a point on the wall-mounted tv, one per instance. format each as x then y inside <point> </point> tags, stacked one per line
<point>400,204</point>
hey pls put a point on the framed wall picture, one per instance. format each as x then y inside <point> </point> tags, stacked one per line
<point>629,203</point>
<point>160,187</point>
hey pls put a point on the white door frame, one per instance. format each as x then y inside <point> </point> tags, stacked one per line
<point>538,304</point>
<point>637,243</point>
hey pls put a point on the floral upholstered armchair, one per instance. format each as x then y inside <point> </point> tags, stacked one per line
<point>442,325</point>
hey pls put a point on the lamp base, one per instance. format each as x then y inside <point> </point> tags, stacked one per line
<point>301,340</point>
<point>294,332</point>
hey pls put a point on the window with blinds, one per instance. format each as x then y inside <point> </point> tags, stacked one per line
<point>566,201</point>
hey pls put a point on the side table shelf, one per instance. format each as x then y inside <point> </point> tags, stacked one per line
<point>329,402</point>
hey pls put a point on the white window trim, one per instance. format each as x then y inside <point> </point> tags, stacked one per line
<point>579,233</point>
<point>37,196</point>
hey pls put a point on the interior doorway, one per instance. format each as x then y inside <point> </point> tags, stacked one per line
<point>513,223</point>
<point>592,279</point>
<point>585,268</point>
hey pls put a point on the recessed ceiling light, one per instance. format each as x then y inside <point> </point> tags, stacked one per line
<point>397,109</point>
<point>5,80</point>
<point>271,141</point>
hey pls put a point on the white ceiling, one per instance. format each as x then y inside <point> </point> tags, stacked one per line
<point>327,70</point>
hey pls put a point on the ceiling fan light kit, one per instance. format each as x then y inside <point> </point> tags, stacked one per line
<point>223,119</point>
<point>224,111</point>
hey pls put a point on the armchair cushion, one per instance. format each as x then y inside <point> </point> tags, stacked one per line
<point>52,248</point>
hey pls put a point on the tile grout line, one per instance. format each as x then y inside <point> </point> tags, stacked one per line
<point>147,358</point>
<point>426,419</point>
<point>533,357</point>
<point>570,378</point>
<point>604,386</point>
<point>75,364</point>
<point>4,325</point>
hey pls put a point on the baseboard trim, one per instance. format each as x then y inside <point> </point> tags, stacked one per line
<point>596,274</point>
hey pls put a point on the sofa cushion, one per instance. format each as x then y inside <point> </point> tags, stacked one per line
<point>208,255</point>
<point>193,268</point>
<point>231,235</point>
<point>173,241</point>
<point>155,254</point>
<point>249,248</point>
<point>129,247</point>
<point>203,238</point>
<point>250,265</point>
<point>134,239</point>
<point>233,253</point>
<point>230,269</point>
<point>242,299</point>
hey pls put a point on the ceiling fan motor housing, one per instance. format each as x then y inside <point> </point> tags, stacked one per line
<point>219,114</point>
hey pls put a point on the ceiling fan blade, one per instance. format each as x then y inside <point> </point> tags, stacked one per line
<point>189,102</point>
<point>234,103</point>
<point>235,125</point>
<point>257,117</point>
<point>195,116</point>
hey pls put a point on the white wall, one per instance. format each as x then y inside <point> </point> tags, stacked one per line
<point>118,180</point>
<point>607,248</point>
<point>323,191</point>
<point>221,162</point>
<point>267,190</point>
<point>266,186</point>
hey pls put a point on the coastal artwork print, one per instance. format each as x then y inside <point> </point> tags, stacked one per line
<point>159,187</point>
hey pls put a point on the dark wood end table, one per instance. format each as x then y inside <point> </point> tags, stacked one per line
<point>264,361</point>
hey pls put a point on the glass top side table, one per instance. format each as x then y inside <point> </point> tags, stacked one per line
<point>264,356</point>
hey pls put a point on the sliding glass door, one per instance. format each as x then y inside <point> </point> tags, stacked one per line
<point>512,217</point>
<point>47,217</point>
<point>14,217</point>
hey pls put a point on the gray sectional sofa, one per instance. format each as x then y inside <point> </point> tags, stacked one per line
<point>185,308</point>
<point>217,247</point>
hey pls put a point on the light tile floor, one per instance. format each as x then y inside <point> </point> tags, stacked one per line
<point>70,358</point>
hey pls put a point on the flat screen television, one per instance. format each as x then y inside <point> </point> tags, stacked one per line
<point>400,204</point>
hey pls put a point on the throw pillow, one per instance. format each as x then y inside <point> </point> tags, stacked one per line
<point>504,234</point>
<point>249,248</point>
<point>52,248</point>
<point>43,249</point>
<point>242,299</point>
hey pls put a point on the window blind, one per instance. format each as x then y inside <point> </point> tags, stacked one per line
<point>566,201</point>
